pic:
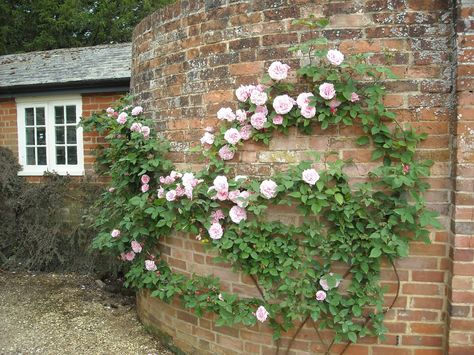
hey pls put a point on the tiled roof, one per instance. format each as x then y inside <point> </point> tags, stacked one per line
<point>70,66</point>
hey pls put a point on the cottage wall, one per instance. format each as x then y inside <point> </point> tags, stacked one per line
<point>189,57</point>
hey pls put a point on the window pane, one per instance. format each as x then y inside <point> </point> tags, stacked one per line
<point>41,136</point>
<point>72,155</point>
<point>60,155</point>
<point>30,116</point>
<point>30,136</point>
<point>30,156</point>
<point>60,135</point>
<point>71,114</point>
<point>40,116</point>
<point>59,114</point>
<point>71,135</point>
<point>41,155</point>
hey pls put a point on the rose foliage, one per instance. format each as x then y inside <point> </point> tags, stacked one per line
<point>296,268</point>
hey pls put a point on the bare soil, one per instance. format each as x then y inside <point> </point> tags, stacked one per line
<point>68,314</point>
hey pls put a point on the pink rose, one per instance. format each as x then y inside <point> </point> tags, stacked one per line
<point>321,295</point>
<point>233,195</point>
<point>216,216</point>
<point>207,138</point>
<point>324,284</point>
<point>136,127</point>
<point>304,99</point>
<point>167,180</point>
<point>258,97</point>
<point>188,191</point>
<point>150,265</point>
<point>226,113</point>
<point>308,111</point>
<point>246,132</point>
<point>110,111</point>
<point>243,199</point>
<point>310,176</point>
<point>261,109</point>
<point>261,314</point>
<point>257,120</point>
<point>278,119</point>
<point>209,129</point>
<point>188,179</point>
<point>221,183</point>
<point>334,103</point>
<point>237,214</point>
<point>180,191</point>
<point>145,187</point>
<point>283,104</point>
<point>115,233</point>
<point>161,192</point>
<point>145,179</point>
<point>354,97</point>
<point>405,169</point>
<point>171,195</point>
<point>241,116</point>
<point>243,92</point>
<point>222,195</point>
<point>225,153</point>
<point>335,57</point>
<point>128,256</point>
<point>327,91</point>
<point>146,132</point>
<point>136,247</point>
<point>137,110</point>
<point>215,231</point>
<point>268,188</point>
<point>122,118</point>
<point>278,70</point>
<point>232,136</point>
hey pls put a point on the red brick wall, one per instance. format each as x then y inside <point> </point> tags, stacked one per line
<point>90,103</point>
<point>461,295</point>
<point>189,58</point>
<point>8,127</point>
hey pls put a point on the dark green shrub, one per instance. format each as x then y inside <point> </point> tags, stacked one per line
<point>42,223</point>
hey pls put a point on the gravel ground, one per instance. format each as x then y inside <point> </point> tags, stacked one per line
<point>68,314</point>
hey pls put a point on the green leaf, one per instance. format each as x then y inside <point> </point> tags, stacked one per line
<point>363,140</point>
<point>352,337</point>
<point>339,198</point>
<point>375,253</point>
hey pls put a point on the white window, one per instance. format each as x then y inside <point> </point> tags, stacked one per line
<point>48,136</point>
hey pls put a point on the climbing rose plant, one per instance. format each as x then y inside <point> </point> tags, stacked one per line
<point>325,268</point>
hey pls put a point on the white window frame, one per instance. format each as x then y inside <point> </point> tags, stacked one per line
<point>48,102</point>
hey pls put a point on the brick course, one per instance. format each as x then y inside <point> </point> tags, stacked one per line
<point>190,57</point>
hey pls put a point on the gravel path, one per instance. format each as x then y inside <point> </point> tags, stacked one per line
<point>68,314</point>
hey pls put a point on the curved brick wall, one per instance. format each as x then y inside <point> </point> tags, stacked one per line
<point>187,60</point>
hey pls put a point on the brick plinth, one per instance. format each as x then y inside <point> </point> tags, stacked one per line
<point>188,59</point>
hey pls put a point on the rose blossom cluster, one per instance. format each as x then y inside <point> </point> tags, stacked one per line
<point>179,189</point>
<point>237,213</point>
<point>303,101</point>
<point>145,179</point>
<point>136,249</point>
<point>139,128</point>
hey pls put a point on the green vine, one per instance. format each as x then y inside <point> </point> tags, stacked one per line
<point>325,268</point>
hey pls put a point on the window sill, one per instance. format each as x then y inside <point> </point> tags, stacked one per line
<point>71,172</point>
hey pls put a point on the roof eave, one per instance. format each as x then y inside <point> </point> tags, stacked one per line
<point>82,86</point>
